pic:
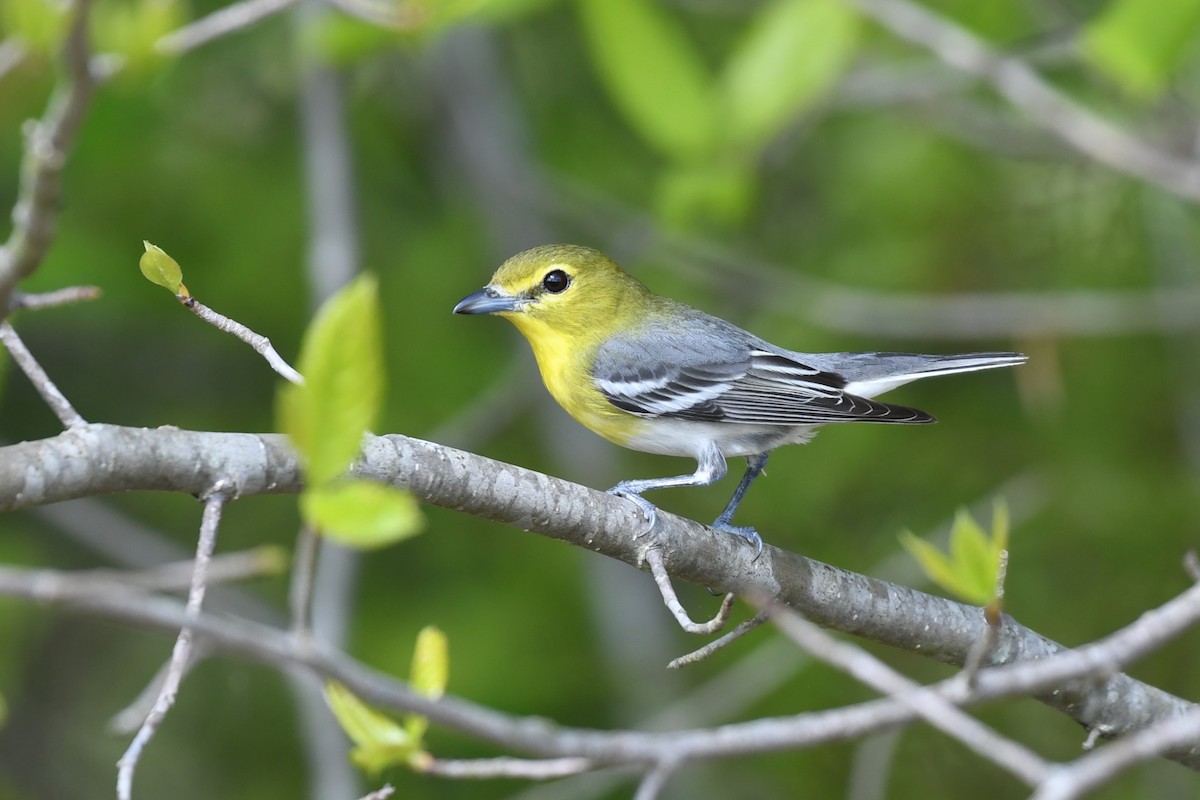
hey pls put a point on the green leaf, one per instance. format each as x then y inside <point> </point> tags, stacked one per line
<point>430,674</point>
<point>3,711</point>
<point>1139,43</point>
<point>159,268</point>
<point>970,552</point>
<point>379,741</point>
<point>361,514</point>
<point>934,563</point>
<point>789,58</point>
<point>653,74</point>
<point>342,363</point>
<point>971,570</point>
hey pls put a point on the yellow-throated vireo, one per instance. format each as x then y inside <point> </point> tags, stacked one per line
<point>655,375</point>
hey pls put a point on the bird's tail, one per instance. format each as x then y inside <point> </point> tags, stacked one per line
<point>870,374</point>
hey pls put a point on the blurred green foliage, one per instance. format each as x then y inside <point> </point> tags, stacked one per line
<point>655,132</point>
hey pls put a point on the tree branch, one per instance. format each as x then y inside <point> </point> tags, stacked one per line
<point>98,459</point>
<point>278,649</point>
<point>46,145</point>
<point>1088,133</point>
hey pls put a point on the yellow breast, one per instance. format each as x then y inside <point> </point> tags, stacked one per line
<point>566,370</point>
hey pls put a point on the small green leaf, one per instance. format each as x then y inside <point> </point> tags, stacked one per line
<point>1140,43</point>
<point>970,552</point>
<point>379,741</point>
<point>934,563</point>
<point>430,674</point>
<point>342,363</point>
<point>790,57</point>
<point>161,269</point>
<point>653,74</point>
<point>361,514</point>
<point>971,570</point>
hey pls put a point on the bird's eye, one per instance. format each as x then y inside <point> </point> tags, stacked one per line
<point>556,281</point>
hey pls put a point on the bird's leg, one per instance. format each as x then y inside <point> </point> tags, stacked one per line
<point>754,468</point>
<point>710,468</point>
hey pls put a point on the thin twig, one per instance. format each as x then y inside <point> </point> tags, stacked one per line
<point>257,562</point>
<point>536,769</point>
<point>382,793</point>
<point>219,23</point>
<point>45,387</point>
<point>46,145</point>
<point>702,653</point>
<point>129,720</point>
<point>1097,768</point>
<point>655,781</point>
<point>58,297</point>
<point>930,706</point>
<point>663,580</point>
<point>277,649</point>
<point>261,344</point>
<point>214,504</point>
<point>1024,88</point>
<point>304,563</point>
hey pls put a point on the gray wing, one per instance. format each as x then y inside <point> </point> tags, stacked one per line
<point>711,371</point>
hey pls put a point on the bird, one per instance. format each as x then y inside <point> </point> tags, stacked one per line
<point>655,375</point>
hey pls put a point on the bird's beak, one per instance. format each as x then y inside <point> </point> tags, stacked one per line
<point>487,300</point>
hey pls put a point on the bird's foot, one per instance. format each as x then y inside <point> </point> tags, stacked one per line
<point>649,511</point>
<point>748,534</point>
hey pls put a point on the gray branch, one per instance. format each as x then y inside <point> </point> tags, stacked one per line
<point>100,459</point>
<point>47,142</point>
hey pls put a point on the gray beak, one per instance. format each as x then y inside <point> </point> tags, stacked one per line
<point>486,301</point>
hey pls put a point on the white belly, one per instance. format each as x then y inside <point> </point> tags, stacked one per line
<point>674,437</point>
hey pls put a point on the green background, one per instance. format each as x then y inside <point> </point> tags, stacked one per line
<point>480,132</point>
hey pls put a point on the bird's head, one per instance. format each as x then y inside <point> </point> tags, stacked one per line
<point>563,287</point>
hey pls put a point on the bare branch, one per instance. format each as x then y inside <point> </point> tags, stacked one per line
<point>68,466</point>
<point>930,706</point>
<point>256,562</point>
<point>655,781</point>
<point>214,504</point>
<point>382,793</point>
<point>45,387</point>
<point>704,652</point>
<point>530,769</point>
<point>47,142</point>
<point>1017,82</point>
<point>663,580</point>
<point>261,344</point>
<point>1101,766</point>
<point>304,564</point>
<point>58,297</point>
<point>220,23</point>
<point>278,649</point>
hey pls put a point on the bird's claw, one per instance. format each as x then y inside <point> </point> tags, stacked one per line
<point>648,509</point>
<point>748,534</point>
